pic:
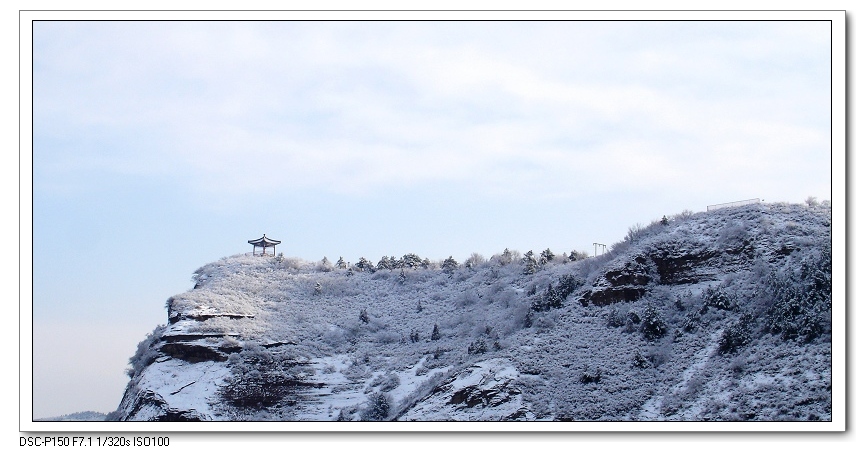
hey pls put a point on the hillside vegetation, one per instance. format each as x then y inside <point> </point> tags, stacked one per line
<point>723,315</point>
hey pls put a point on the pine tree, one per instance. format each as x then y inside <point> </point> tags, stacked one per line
<point>530,264</point>
<point>341,263</point>
<point>364,317</point>
<point>547,256</point>
<point>435,333</point>
<point>577,256</point>
<point>365,265</point>
<point>384,264</point>
<point>450,265</point>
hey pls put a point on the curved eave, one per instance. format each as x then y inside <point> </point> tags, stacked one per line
<point>264,242</point>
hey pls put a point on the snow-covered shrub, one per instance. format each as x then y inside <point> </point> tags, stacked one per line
<point>640,361</point>
<point>736,335</point>
<point>717,297</point>
<point>577,255</point>
<point>436,334</point>
<point>554,297</point>
<point>476,261</point>
<point>653,325</point>
<point>378,407</point>
<point>801,297</point>
<point>478,347</point>
<point>324,265</point>
<point>590,377</point>
<point>293,263</point>
<point>385,382</point>
<point>146,352</point>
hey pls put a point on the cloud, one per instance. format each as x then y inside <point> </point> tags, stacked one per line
<point>365,107</point>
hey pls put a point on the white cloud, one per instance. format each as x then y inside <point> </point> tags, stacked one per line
<point>362,107</point>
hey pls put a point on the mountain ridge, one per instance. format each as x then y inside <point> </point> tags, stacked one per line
<point>722,315</point>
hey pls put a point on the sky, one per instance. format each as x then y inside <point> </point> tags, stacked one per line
<point>161,146</point>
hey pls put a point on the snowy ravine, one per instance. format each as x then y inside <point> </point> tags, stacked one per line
<point>722,315</point>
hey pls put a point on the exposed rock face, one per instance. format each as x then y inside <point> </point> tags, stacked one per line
<point>624,282</point>
<point>485,391</point>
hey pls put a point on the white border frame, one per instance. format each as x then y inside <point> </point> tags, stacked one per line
<point>839,133</point>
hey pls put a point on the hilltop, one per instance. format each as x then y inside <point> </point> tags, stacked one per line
<point>722,315</point>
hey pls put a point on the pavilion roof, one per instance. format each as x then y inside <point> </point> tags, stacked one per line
<point>264,242</point>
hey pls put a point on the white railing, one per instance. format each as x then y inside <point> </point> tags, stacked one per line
<point>732,204</point>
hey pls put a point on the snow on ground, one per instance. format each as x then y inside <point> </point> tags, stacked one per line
<point>364,332</point>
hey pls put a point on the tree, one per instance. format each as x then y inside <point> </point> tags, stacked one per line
<point>341,263</point>
<point>436,335</point>
<point>365,265</point>
<point>530,264</point>
<point>384,264</point>
<point>450,265</point>
<point>577,256</point>
<point>378,407</point>
<point>411,260</point>
<point>364,317</point>
<point>664,220</point>
<point>325,265</point>
<point>506,257</point>
<point>547,256</point>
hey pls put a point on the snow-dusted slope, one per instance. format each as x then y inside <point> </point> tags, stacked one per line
<point>710,316</point>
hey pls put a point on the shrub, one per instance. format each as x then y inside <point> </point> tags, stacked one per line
<point>324,265</point>
<point>653,326</point>
<point>577,256</point>
<point>436,335</point>
<point>736,335</point>
<point>146,353</point>
<point>475,260</point>
<point>555,296</point>
<point>640,361</point>
<point>718,298</point>
<point>478,347</point>
<point>378,407</point>
<point>588,377</point>
<point>801,298</point>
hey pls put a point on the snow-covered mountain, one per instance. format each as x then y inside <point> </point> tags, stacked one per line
<point>723,315</point>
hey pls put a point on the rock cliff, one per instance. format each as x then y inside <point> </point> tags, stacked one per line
<point>724,315</point>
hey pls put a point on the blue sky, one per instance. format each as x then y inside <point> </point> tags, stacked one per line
<point>161,146</point>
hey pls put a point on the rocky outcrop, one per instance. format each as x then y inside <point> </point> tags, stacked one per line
<point>627,281</point>
<point>485,391</point>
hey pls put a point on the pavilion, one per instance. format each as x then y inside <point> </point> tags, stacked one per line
<point>264,243</point>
